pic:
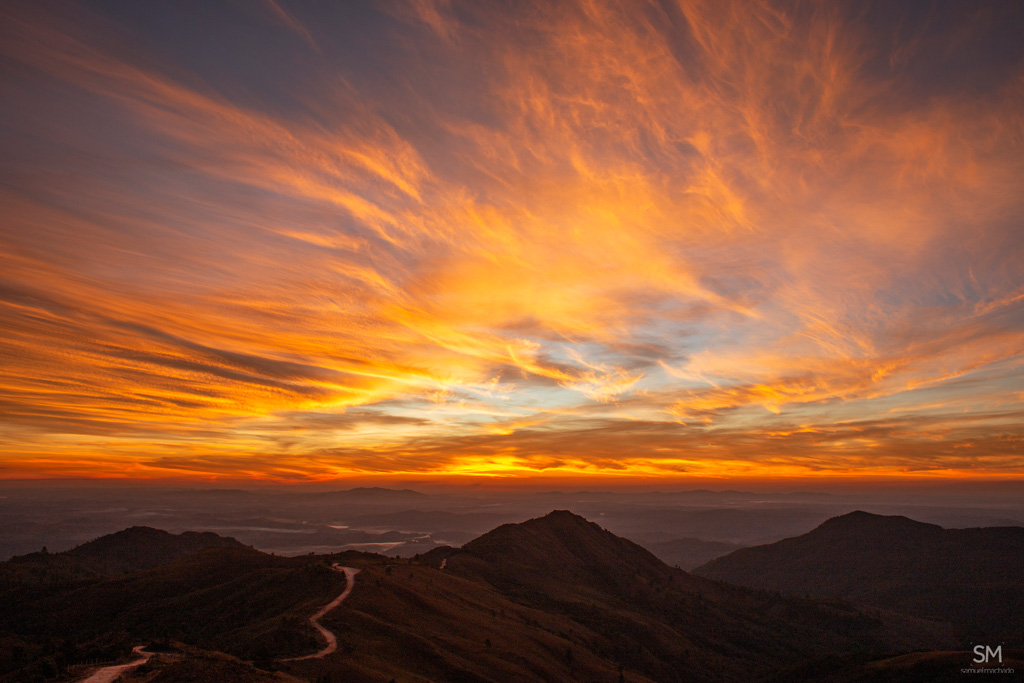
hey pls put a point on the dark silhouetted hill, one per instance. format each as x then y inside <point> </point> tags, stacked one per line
<point>971,577</point>
<point>561,548</point>
<point>134,549</point>
<point>221,596</point>
<point>141,547</point>
<point>654,619</point>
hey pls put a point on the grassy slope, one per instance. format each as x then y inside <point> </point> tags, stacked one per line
<point>233,599</point>
<point>561,599</point>
<point>420,623</point>
<point>556,598</point>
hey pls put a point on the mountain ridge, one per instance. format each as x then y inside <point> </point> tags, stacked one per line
<point>132,549</point>
<point>971,577</point>
<point>556,597</point>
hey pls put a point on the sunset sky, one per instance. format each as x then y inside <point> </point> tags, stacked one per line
<point>426,240</point>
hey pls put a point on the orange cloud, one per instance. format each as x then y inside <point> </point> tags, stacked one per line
<point>671,239</point>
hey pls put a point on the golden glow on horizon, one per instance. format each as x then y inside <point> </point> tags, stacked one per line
<point>693,239</point>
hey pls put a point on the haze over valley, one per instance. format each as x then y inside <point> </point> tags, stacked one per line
<point>685,528</point>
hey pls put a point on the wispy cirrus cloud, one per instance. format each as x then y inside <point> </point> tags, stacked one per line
<point>452,238</point>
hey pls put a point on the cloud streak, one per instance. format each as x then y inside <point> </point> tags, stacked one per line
<point>658,240</point>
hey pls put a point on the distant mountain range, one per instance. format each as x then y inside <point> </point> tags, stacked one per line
<point>687,553</point>
<point>556,598</point>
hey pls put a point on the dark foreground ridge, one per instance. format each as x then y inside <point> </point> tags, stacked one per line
<point>553,598</point>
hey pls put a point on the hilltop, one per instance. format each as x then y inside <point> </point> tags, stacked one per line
<point>971,577</point>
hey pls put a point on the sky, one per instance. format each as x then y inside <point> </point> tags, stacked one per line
<point>668,241</point>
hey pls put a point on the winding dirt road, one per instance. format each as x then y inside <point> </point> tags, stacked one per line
<point>332,640</point>
<point>108,674</point>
